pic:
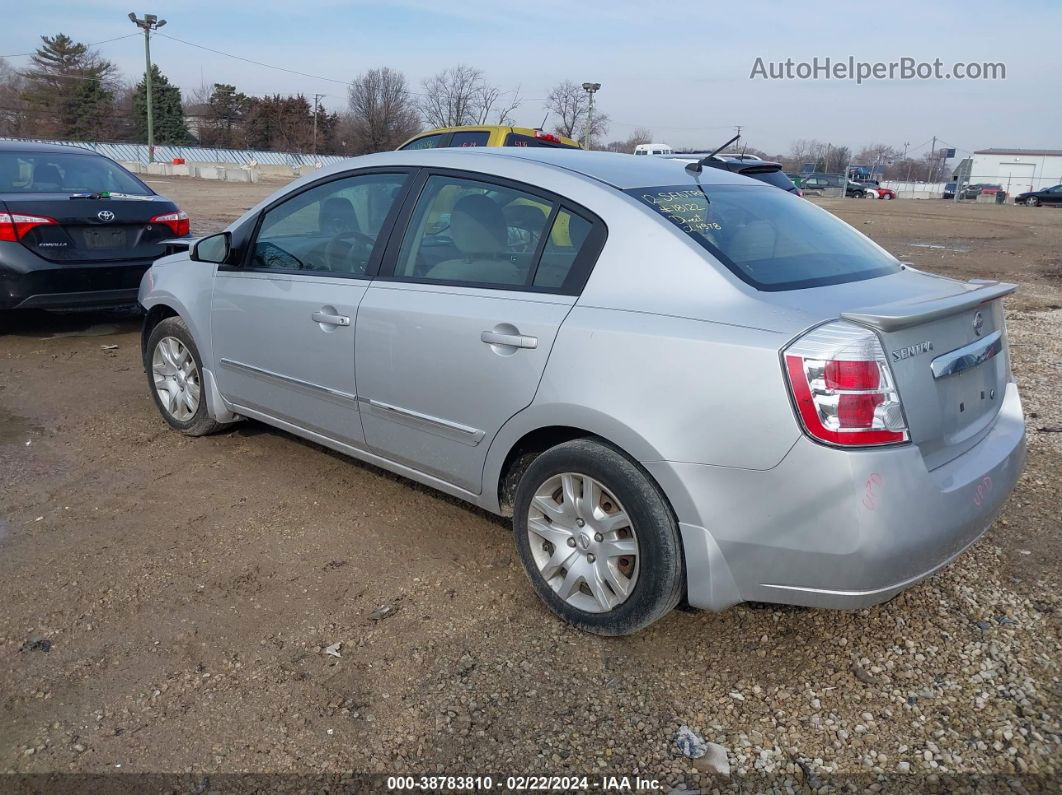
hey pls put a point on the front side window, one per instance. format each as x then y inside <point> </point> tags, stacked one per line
<point>767,237</point>
<point>331,228</point>
<point>32,172</point>
<point>426,142</point>
<point>474,138</point>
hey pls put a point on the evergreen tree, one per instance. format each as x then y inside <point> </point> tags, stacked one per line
<point>70,88</point>
<point>167,114</point>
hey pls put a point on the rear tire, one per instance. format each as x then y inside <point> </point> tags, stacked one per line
<point>174,373</point>
<point>597,539</point>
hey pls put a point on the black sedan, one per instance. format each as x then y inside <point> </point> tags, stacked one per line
<point>1051,197</point>
<point>76,229</point>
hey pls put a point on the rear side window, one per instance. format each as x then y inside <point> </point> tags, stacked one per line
<point>769,238</point>
<point>480,234</point>
<point>567,238</point>
<point>426,142</point>
<point>478,138</point>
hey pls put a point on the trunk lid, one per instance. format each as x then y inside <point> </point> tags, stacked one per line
<point>946,345</point>
<point>92,229</point>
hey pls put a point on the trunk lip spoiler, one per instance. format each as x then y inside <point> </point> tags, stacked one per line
<point>902,314</point>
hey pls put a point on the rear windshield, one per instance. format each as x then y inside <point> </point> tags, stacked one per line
<point>516,139</point>
<point>44,172</point>
<point>769,238</point>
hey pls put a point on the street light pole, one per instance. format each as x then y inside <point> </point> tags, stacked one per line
<point>591,89</point>
<point>149,23</point>
<point>316,104</point>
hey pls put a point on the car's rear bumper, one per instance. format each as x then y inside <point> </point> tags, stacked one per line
<point>110,284</point>
<point>833,528</point>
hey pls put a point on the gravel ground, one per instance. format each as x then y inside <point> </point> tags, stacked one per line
<point>169,602</point>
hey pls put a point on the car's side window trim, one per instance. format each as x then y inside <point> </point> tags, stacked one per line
<point>577,276</point>
<point>244,257</point>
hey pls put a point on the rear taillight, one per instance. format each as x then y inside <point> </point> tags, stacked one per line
<point>177,222</point>
<point>14,226</point>
<point>843,388</point>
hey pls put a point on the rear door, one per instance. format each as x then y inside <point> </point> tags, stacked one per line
<point>453,338</point>
<point>282,323</point>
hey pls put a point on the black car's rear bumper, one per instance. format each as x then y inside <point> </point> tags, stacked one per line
<point>112,284</point>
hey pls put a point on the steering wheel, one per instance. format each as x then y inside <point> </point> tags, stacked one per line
<point>343,247</point>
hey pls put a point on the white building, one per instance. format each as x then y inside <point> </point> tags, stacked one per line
<point>1017,170</point>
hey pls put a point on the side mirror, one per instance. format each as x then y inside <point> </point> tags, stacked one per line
<point>215,248</point>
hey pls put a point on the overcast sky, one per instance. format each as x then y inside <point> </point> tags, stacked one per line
<point>680,69</point>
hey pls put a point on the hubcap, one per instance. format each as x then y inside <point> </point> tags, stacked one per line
<point>176,378</point>
<point>583,542</point>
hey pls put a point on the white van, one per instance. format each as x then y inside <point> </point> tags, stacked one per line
<point>652,149</point>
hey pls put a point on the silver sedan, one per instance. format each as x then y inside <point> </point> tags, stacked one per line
<point>682,384</point>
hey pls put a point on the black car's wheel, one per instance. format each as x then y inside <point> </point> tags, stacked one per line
<point>1032,201</point>
<point>174,372</point>
<point>597,539</point>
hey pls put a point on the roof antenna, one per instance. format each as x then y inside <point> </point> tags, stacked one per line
<point>697,167</point>
<point>543,125</point>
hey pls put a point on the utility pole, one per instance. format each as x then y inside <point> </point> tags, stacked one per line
<point>316,104</point>
<point>149,23</point>
<point>591,89</point>
<point>932,159</point>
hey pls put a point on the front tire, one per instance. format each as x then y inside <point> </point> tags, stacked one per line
<point>1032,201</point>
<point>597,539</point>
<point>174,372</point>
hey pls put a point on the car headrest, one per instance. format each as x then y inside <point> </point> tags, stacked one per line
<point>337,216</point>
<point>477,226</point>
<point>47,174</point>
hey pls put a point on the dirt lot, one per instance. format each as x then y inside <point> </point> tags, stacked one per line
<point>166,601</point>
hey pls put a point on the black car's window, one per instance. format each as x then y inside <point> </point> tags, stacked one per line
<point>478,138</point>
<point>516,139</point>
<point>477,233</point>
<point>331,228</point>
<point>769,238</point>
<point>776,178</point>
<point>426,142</point>
<point>45,172</point>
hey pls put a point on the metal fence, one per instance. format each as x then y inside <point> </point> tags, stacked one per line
<point>194,154</point>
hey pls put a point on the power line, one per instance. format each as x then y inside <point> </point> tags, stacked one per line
<point>93,44</point>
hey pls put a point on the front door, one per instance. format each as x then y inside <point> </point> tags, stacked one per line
<point>453,339</point>
<point>283,322</point>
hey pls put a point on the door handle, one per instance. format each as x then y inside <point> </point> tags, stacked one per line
<point>511,340</point>
<point>330,320</point>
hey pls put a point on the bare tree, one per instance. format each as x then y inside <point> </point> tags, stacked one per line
<point>383,114</point>
<point>13,118</point>
<point>569,103</point>
<point>461,95</point>
<point>639,136</point>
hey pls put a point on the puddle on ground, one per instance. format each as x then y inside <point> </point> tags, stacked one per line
<point>15,429</point>
<point>941,247</point>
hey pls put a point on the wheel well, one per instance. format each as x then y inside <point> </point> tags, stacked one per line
<point>525,451</point>
<point>154,316</point>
